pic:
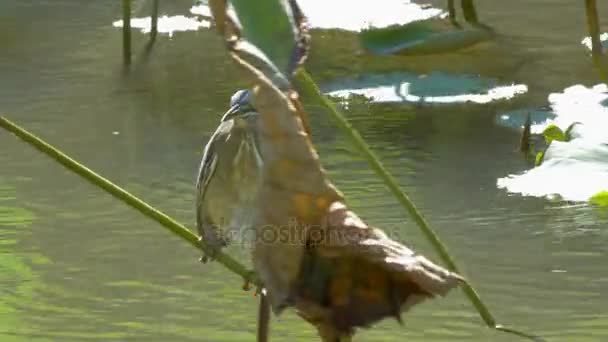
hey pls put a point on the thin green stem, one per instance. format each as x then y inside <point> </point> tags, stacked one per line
<point>129,199</point>
<point>308,86</point>
<point>593,26</point>
<point>154,20</point>
<point>126,32</point>
<point>452,11</point>
<point>469,12</point>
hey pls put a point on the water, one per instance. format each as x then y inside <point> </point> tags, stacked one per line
<point>76,265</point>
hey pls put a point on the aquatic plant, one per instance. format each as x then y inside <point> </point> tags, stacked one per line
<point>600,199</point>
<point>553,133</point>
<point>126,28</point>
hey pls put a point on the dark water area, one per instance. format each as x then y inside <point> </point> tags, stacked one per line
<point>77,265</point>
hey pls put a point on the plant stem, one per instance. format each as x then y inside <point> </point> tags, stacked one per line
<point>129,199</point>
<point>469,12</point>
<point>452,11</point>
<point>309,87</point>
<point>593,27</point>
<point>154,21</point>
<point>126,32</point>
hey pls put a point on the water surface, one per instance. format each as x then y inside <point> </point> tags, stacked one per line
<point>80,266</point>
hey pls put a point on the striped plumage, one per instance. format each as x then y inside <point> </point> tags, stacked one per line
<point>228,176</point>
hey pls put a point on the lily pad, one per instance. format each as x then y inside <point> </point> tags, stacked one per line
<point>423,37</point>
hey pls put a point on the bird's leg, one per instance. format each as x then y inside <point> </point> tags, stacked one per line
<point>469,12</point>
<point>263,316</point>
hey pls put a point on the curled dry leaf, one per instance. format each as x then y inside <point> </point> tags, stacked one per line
<point>312,252</point>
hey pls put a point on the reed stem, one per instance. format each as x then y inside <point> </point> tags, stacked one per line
<point>126,197</point>
<point>126,32</point>
<point>469,12</point>
<point>593,26</point>
<point>154,21</point>
<point>309,87</point>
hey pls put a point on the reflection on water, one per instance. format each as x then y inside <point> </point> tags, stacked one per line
<point>88,268</point>
<point>167,25</point>
<point>574,170</point>
<point>435,88</point>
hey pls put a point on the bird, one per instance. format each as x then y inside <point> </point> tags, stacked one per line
<point>228,176</point>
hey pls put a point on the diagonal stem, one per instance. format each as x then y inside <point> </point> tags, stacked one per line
<point>126,197</point>
<point>309,87</point>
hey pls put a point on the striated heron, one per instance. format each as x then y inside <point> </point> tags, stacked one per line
<point>228,177</point>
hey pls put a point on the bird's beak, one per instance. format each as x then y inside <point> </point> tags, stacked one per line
<point>230,113</point>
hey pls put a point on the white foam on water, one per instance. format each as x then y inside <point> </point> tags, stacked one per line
<point>167,25</point>
<point>574,170</point>
<point>437,88</point>
<point>355,15</point>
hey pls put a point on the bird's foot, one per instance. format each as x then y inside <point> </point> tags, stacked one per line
<point>214,248</point>
<point>247,282</point>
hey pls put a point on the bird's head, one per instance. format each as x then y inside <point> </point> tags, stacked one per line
<point>239,104</point>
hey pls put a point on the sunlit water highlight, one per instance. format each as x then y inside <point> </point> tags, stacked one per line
<point>574,170</point>
<point>166,24</point>
<point>355,15</point>
<point>436,88</point>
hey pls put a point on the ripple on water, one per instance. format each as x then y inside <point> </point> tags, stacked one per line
<point>574,170</point>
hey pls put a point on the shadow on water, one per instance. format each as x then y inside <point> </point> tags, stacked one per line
<point>101,272</point>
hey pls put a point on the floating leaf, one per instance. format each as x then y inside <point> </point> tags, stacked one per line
<point>552,132</point>
<point>422,37</point>
<point>600,199</point>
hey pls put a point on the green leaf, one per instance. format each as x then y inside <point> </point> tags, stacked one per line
<point>600,199</point>
<point>270,26</point>
<point>553,133</point>
<point>539,158</point>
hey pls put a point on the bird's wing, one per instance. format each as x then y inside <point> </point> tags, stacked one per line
<point>206,172</point>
